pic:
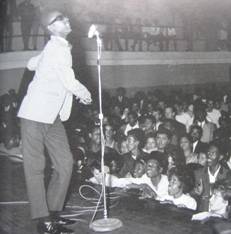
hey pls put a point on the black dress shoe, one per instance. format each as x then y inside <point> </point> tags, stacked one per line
<point>52,228</point>
<point>63,221</point>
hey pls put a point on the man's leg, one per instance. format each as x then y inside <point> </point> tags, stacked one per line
<point>62,161</point>
<point>34,163</point>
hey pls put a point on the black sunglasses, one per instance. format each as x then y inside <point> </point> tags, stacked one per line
<point>58,18</point>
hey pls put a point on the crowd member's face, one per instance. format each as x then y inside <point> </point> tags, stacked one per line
<point>202,160</point>
<point>162,141</point>
<point>213,155</point>
<point>132,143</point>
<point>132,120</point>
<point>150,143</point>
<point>157,115</point>
<point>109,133</point>
<point>210,105</point>
<point>191,108</point>
<point>148,124</point>
<point>139,170</point>
<point>95,136</point>
<point>185,144</point>
<point>153,168</point>
<point>97,174</point>
<point>169,114</point>
<point>124,147</point>
<point>174,186</point>
<point>195,134</point>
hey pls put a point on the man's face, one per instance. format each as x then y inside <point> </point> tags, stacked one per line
<point>169,114</point>
<point>174,186</point>
<point>59,24</point>
<point>213,156</point>
<point>195,134</point>
<point>153,169</point>
<point>132,143</point>
<point>162,141</point>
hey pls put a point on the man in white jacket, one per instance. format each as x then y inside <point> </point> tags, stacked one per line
<point>48,102</point>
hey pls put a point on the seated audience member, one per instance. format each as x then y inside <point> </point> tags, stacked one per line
<point>163,139</point>
<point>96,178</point>
<point>169,113</point>
<point>153,183</point>
<point>196,134</point>
<point>202,159</point>
<point>218,202</point>
<point>205,177</point>
<point>110,133</point>
<point>185,116</point>
<point>120,98</point>
<point>134,141</point>
<point>168,124</point>
<point>122,146</point>
<point>150,143</point>
<point>132,122</point>
<point>178,188</point>
<point>139,169</point>
<point>175,159</point>
<point>158,114</point>
<point>208,128</point>
<point>148,124</point>
<point>187,146</point>
<point>213,114</point>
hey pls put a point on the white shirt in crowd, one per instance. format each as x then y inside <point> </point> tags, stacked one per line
<point>185,200</point>
<point>214,116</point>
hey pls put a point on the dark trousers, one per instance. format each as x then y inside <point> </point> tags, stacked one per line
<point>36,136</point>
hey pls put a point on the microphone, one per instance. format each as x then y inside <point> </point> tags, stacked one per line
<point>92,31</point>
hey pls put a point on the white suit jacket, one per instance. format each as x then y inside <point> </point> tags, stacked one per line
<point>51,91</point>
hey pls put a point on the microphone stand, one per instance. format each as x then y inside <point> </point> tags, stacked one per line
<point>106,224</point>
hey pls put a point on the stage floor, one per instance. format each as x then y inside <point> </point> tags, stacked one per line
<point>146,217</point>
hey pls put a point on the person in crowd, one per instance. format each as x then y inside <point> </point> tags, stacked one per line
<point>139,169</point>
<point>135,143</point>
<point>153,183</point>
<point>110,133</point>
<point>26,11</point>
<point>158,114</point>
<point>150,143</point>
<point>132,122</point>
<point>48,102</point>
<point>148,124</point>
<point>208,128</point>
<point>196,134</point>
<point>122,146</point>
<point>186,145</point>
<point>213,114</point>
<point>207,176</point>
<point>169,113</point>
<point>120,98</point>
<point>184,116</point>
<point>180,184</point>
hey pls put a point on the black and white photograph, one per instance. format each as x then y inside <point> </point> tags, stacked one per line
<point>115,116</point>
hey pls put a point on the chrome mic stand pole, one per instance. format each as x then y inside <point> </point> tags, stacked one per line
<point>106,224</point>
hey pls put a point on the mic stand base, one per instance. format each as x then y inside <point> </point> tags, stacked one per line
<point>106,225</point>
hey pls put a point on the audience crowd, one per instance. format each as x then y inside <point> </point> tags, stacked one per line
<point>174,147</point>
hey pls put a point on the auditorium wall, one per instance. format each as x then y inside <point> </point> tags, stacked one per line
<point>135,70</point>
